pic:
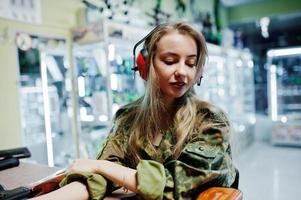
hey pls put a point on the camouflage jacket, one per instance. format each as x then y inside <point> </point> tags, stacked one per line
<point>205,160</point>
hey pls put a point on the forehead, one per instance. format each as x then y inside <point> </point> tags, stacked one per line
<point>178,43</point>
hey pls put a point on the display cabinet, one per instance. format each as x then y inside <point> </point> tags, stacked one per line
<point>93,96</point>
<point>240,78</point>
<point>284,87</point>
<point>103,59</point>
<point>228,83</point>
<point>46,107</point>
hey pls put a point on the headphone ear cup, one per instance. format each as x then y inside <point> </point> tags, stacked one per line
<point>199,75</point>
<point>199,81</point>
<point>141,64</point>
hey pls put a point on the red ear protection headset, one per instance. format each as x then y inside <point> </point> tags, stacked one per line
<point>140,61</point>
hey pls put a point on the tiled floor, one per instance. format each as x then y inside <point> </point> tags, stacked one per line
<point>270,172</point>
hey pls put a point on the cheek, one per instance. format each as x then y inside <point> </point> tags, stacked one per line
<point>163,75</point>
<point>163,71</point>
<point>192,74</point>
<point>158,67</point>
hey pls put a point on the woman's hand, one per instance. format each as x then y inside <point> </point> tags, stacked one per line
<point>84,165</point>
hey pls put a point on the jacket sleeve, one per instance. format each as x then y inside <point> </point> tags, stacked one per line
<point>114,149</point>
<point>205,161</point>
<point>95,183</point>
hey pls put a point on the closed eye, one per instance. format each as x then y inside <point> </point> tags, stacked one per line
<point>191,65</point>
<point>191,62</point>
<point>167,62</point>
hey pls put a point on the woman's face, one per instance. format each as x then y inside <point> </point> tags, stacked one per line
<point>174,63</point>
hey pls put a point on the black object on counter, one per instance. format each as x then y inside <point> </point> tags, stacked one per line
<point>10,157</point>
<point>15,194</point>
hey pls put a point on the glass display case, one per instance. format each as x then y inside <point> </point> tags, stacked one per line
<point>125,87</point>
<point>103,60</point>
<point>213,87</point>
<point>240,78</point>
<point>93,97</point>
<point>284,86</point>
<point>229,83</point>
<point>45,91</point>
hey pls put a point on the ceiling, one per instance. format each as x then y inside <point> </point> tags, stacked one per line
<point>280,23</point>
<point>284,31</point>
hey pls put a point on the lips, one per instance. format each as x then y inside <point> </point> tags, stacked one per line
<point>178,84</point>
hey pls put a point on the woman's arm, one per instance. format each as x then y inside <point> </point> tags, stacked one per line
<point>118,174</point>
<point>122,176</point>
<point>74,190</point>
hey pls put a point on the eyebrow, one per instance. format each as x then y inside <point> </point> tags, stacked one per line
<point>175,54</point>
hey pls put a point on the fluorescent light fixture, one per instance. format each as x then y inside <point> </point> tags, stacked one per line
<point>66,63</point>
<point>284,52</point>
<point>253,120</point>
<point>250,64</point>
<point>103,118</point>
<point>119,59</point>
<point>111,54</point>
<point>241,128</point>
<point>283,119</point>
<point>114,82</point>
<point>84,116</point>
<point>115,107</point>
<point>81,86</point>
<point>47,110</point>
<point>273,89</point>
<point>273,69</point>
<point>265,33</point>
<point>54,68</point>
<point>264,25</point>
<point>68,84</point>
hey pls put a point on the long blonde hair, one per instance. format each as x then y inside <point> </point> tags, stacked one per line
<point>143,114</point>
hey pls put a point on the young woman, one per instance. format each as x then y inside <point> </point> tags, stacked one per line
<point>167,144</point>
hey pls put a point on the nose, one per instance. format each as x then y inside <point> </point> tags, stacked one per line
<point>180,70</point>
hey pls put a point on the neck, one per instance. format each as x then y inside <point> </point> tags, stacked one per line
<point>168,115</point>
<point>169,103</point>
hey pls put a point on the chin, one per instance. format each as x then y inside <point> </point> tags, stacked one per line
<point>178,95</point>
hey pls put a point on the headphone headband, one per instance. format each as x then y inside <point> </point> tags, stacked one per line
<point>135,68</point>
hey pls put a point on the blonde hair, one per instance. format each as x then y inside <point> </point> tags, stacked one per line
<point>144,113</point>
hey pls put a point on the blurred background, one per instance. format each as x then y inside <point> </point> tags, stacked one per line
<point>66,68</point>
